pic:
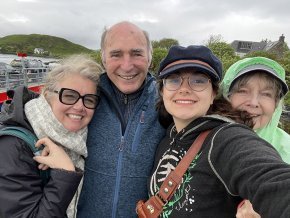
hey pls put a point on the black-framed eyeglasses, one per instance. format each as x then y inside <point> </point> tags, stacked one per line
<point>70,97</point>
<point>197,82</point>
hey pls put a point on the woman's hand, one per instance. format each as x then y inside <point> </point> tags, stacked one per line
<point>53,156</point>
<point>246,211</point>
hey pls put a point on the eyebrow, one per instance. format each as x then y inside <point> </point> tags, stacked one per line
<point>137,50</point>
<point>115,51</point>
<point>268,88</point>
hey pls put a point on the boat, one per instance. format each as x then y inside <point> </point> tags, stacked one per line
<point>31,76</point>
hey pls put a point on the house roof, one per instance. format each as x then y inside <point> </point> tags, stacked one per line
<point>249,46</point>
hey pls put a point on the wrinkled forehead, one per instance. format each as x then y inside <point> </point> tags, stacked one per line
<point>126,37</point>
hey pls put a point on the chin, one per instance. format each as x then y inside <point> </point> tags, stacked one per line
<point>72,128</point>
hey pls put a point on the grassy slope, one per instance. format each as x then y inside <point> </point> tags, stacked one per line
<point>54,45</point>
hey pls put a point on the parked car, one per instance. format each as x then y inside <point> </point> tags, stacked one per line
<point>6,68</point>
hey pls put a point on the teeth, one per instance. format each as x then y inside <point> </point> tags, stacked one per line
<point>127,77</point>
<point>76,117</point>
<point>184,102</point>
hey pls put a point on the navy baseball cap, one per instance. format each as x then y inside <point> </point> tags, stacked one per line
<point>195,56</point>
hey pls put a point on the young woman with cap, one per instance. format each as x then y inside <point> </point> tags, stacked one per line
<point>218,177</point>
<point>257,85</point>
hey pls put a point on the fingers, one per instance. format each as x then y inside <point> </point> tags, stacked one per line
<point>44,141</point>
<point>43,160</point>
<point>45,151</point>
<point>53,156</point>
<point>43,167</point>
<point>246,211</point>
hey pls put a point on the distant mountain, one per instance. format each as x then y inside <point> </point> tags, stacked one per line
<point>49,45</point>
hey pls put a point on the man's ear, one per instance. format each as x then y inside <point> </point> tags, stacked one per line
<point>103,58</point>
<point>150,57</point>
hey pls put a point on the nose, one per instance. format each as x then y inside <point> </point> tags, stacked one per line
<point>184,87</point>
<point>79,105</point>
<point>127,63</point>
<point>253,101</point>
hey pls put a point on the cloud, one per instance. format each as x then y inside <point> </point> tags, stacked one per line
<point>17,19</point>
<point>27,0</point>
<point>189,22</point>
<point>143,18</point>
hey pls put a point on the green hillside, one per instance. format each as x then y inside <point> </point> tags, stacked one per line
<point>53,46</point>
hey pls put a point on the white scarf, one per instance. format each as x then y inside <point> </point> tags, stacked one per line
<point>45,124</point>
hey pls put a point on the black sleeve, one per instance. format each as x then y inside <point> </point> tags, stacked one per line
<point>21,194</point>
<point>251,168</point>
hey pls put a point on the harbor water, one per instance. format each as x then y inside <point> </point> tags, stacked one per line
<point>7,58</point>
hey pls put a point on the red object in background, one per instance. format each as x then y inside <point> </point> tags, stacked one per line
<point>4,97</point>
<point>20,54</point>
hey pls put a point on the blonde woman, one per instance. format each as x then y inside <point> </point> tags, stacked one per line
<point>59,117</point>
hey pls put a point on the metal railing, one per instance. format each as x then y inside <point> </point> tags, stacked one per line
<point>26,76</point>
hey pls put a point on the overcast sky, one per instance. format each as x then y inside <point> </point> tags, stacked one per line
<point>188,21</point>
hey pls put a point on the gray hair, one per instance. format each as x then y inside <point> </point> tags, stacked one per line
<point>270,81</point>
<point>146,34</point>
<point>82,65</point>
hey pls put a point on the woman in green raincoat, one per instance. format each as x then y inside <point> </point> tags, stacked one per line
<point>257,85</point>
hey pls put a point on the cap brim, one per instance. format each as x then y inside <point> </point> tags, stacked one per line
<point>265,69</point>
<point>210,72</point>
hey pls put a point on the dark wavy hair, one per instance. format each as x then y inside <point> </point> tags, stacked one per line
<point>220,106</point>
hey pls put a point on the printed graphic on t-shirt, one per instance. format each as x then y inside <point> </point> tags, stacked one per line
<point>183,198</point>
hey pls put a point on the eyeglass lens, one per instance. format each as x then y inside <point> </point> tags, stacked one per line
<point>70,97</point>
<point>197,82</point>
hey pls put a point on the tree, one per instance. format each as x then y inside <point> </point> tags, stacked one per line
<point>97,57</point>
<point>262,54</point>
<point>164,43</point>
<point>158,55</point>
<point>213,39</point>
<point>224,52</point>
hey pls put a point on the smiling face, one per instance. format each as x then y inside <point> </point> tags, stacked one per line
<point>126,57</point>
<point>185,104</point>
<point>77,116</point>
<point>257,97</point>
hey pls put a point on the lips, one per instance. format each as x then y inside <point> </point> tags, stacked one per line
<point>184,101</point>
<point>253,115</point>
<point>128,77</point>
<point>75,117</point>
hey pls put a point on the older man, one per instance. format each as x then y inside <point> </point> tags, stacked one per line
<point>125,131</point>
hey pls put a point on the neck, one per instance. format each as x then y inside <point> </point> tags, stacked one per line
<point>180,125</point>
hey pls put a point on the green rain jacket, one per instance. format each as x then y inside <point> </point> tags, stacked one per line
<point>271,133</point>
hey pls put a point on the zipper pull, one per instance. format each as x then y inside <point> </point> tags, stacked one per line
<point>142,117</point>
<point>126,99</point>
<point>121,146</point>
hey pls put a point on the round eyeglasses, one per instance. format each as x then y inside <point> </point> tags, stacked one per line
<point>197,82</point>
<point>70,97</point>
